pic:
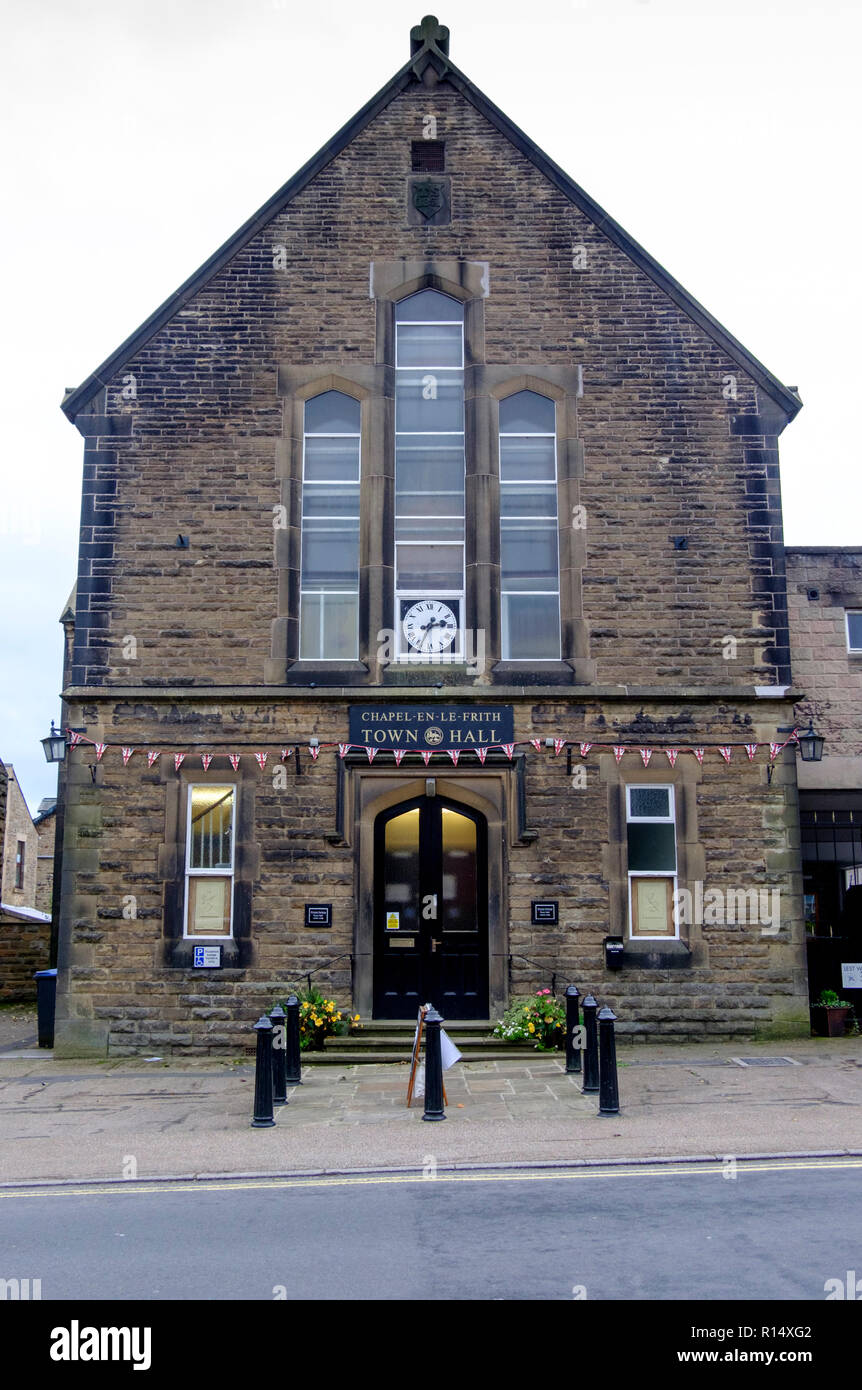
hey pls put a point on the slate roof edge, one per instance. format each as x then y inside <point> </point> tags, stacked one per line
<point>780,393</point>
<point>74,401</point>
<point>83,394</point>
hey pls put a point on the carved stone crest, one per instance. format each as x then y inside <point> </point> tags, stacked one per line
<point>428,198</point>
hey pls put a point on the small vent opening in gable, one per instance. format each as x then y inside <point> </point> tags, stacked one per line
<point>427,156</point>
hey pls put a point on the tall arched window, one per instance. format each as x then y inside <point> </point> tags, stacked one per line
<point>529,549</point>
<point>329,584</point>
<point>429,475</point>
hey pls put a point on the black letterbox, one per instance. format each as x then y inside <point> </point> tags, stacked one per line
<point>613,952</point>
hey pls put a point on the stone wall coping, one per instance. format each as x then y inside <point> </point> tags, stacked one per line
<point>389,695</point>
<point>24,914</point>
<point>823,550</point>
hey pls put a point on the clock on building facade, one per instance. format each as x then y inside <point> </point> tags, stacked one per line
<point>430,625</point>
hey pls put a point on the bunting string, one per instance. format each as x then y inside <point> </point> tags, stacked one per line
<point>619,750</point>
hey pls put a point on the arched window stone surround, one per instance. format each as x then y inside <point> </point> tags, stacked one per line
<point>563,386</point>
<point>484,386</point>
<point>297,385</point>
<point>489,791</point>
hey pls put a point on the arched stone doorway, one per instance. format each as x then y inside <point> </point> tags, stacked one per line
<point>430,932</point>
<point>486,798</point>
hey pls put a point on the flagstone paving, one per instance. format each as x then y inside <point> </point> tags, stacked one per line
<point>65,1119</point>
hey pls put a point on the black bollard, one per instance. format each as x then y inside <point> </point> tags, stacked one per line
<point>279,1071</point>
<point>433,1068</point>
<point>263,1117</point>
<point>591,1052</point>
<point>609,1093</point>
<point>292,1064</point>
<point>573,1023</point>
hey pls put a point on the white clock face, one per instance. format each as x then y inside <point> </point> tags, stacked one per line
<point>430,626</point>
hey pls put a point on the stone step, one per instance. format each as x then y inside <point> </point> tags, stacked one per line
<point>345,1058</point>
<point>470,1025</point>
<point>398,1041</point>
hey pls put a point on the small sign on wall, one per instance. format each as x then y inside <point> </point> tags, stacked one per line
<point>851,975</point>
<point>545,914</point>
<point>318,914</point>
<point>207,957</point>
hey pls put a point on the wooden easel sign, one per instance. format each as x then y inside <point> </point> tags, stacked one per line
<point>416,1083</point>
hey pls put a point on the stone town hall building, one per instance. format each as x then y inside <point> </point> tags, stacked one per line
<point>434,488</point>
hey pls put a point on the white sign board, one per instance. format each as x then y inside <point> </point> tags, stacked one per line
<point>448,1051</point>
<point>851,975</point>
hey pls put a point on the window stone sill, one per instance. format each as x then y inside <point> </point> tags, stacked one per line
<point>532,673</point>
<point>656,955</point>
<point>405,674</point>
<point>326,673</point>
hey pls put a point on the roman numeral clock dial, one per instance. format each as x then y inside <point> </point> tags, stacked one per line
<point>429,625</point>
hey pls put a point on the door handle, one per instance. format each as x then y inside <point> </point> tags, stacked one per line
<point>435,944</point>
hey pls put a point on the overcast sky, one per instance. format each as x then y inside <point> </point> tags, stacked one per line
<point>138,136</point>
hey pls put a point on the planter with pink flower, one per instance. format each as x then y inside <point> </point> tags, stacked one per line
<point>539,1019</point>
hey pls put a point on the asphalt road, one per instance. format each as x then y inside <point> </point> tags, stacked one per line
<point>777,1230</point>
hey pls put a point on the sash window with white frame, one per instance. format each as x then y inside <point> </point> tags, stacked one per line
<point>529,545</point>
<point>210,860</point>
<point>429,477</point>
<point>329,583</point>
<point>652,862</point>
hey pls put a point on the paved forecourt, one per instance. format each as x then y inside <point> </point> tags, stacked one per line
<point>138,1119</point>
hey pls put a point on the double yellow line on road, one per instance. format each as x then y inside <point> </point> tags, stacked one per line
<point>136,1188</point>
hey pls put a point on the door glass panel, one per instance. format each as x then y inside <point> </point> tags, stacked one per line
<point>459,872</point>
<point>401,869</point>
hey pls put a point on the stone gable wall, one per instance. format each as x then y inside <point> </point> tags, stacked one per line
<point>19,826</point>
<point>192,450</point>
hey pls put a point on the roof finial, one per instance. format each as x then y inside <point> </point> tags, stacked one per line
<point>429,32</point>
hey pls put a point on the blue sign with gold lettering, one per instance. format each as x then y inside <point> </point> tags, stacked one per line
<point>431,726</point>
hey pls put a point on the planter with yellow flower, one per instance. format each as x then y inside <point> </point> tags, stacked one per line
<point>319,1018</point>
<point>540,1020</point>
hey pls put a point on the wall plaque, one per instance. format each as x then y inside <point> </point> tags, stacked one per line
<point>431,726</point>
<point>545,914</point>
<point>318,914</point>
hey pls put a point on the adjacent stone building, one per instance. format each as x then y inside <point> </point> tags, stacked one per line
<point>25,926</point>
<point>45,821</point>
<point>431,617</point>
<point>824,590</point>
